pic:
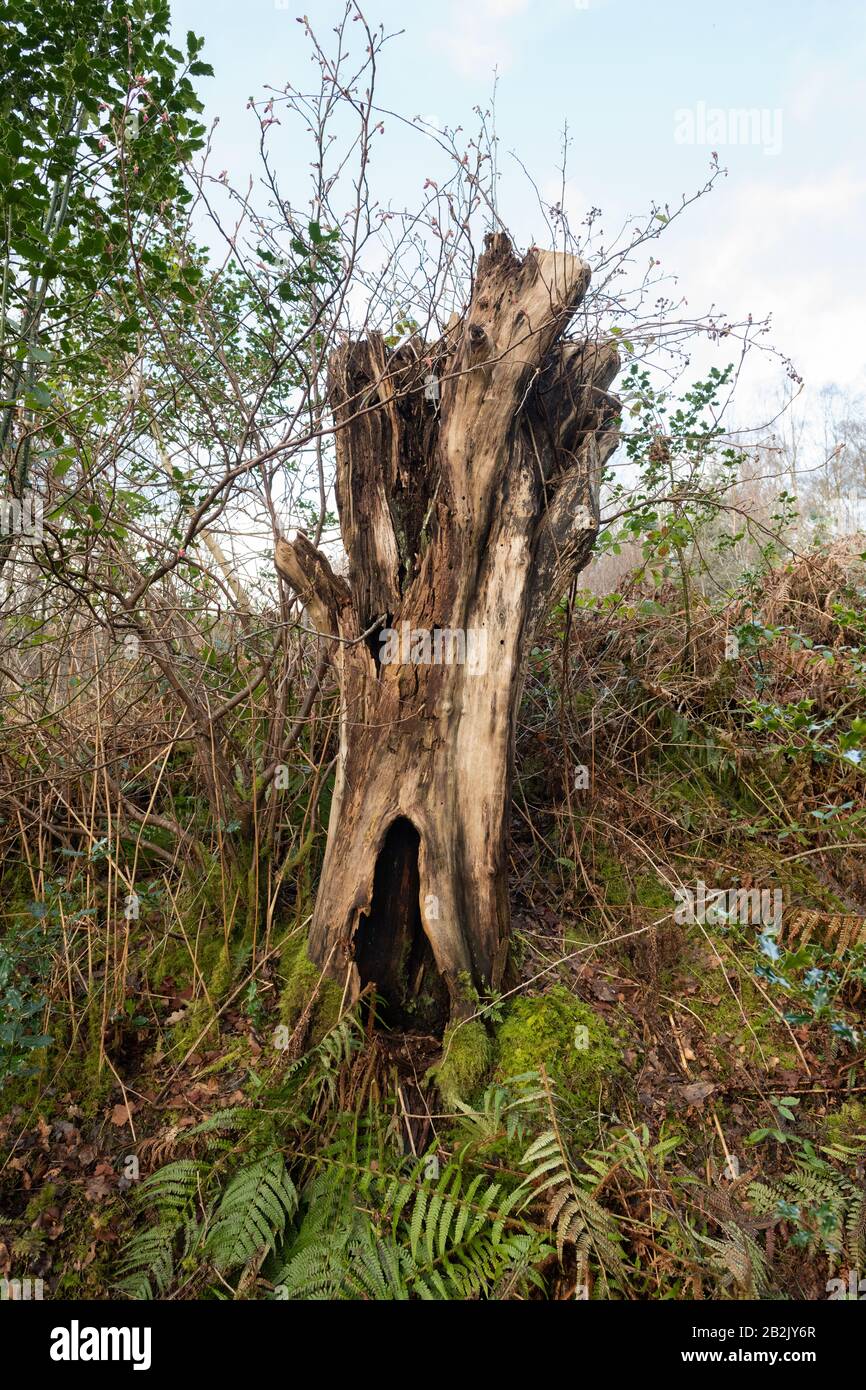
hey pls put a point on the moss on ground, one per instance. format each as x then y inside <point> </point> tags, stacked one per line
<point>579,1052</point>
<point>298,980</point>
<point>217,969</point>
<point>622,886</point>
<point>848,1123</point>
<point>467,1058</point>
<point>608,873</point>
<point>740,1026</point>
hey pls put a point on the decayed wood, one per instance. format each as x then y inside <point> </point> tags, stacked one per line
<point>464,514</point>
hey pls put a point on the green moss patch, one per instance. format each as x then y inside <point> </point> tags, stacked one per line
<point>848,1124</point>
<point>579,1052</point>
<point>739,1026</point>
<point>298,980</point>
<point>467,1058</point>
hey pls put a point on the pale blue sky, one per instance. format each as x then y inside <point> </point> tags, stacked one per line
<point>784,233</point>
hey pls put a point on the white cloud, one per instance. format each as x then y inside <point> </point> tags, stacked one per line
<point>502,9</point>
<point>767,248</point>
<point>478,38</point>
<point>831,86</point>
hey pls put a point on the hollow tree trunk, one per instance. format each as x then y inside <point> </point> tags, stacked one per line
<point>466,507</point>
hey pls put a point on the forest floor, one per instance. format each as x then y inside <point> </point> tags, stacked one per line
<point>709,1075</point>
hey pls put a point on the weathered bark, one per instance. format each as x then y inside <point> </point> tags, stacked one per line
<point>468,514</point>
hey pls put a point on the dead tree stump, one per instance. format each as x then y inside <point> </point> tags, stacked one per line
<point>467,485</point>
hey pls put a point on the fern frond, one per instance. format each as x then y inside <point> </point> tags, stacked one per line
<point>171,1189</point>
<point>252,1214</point>
<point>147,1264</point>
<point>740,1259</point>
<point>572,1214</point>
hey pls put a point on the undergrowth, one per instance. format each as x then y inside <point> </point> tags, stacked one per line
<point>644,1110</point>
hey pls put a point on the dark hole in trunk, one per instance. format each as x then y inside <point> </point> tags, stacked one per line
<point>373,641</point>
<point>374,649</point>
<point>391,946</point>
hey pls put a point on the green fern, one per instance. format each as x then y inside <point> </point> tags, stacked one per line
<point>504,1111</point>
<point>236,1120</point>
<point>828,1208</point>
<point>450,1238</point>
<point>356,1219</point>
<point>319,1069</point>
<point>251,1215</point>
<point>148,1264</point>
<point>462,1232</point>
